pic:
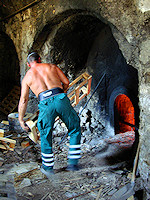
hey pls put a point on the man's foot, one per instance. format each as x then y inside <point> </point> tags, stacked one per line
<point>48,173</point>
<point>72,167</point>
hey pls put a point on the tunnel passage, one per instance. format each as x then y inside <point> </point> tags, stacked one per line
<point>9,66</point>
<point>9,74</point>
<point>123,114</point>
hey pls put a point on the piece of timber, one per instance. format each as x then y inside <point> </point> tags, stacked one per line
<point>33,134</point>
<point>2,146</point>
<point>5,142</point>
<point>5,122</point>
<point>1,132</point>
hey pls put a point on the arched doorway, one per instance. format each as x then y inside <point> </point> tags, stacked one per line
<point>124,114</point>
<point>9,76</point>
<point>9,65</point>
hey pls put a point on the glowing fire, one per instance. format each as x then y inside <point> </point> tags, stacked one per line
<point>124,114</point>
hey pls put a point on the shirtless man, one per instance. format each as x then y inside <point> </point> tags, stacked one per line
<point>50,84</point>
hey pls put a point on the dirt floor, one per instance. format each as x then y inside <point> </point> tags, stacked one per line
<point>103,170</point>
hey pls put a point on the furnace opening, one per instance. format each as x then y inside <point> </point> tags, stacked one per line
<point>124,119</point>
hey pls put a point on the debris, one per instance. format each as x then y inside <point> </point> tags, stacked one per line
<point>8,144</point>
<point>5,122</point>
<point>84,193</point>
<point>25,183</point>
<point>45,196</point>
<point>25,144</point>
<point>1,161</point>
<point>30,194</point>
<point>7,187</point>
<point>99,192</point>
<point>1,132</point>
<point>123,139</point>
<point>25,175</point>
<point>33,135</point>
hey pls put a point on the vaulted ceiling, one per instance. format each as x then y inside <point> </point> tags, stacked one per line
<point>10,7</point>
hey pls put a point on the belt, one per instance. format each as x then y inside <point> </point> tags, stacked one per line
<point>49,93</point>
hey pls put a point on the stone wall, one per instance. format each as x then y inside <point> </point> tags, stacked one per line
<point>129,22</point>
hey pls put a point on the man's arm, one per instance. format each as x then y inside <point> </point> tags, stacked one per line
<point>23,104</point>
<point>63,78</point>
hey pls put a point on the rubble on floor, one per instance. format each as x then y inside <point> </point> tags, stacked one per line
<point>102,171</point>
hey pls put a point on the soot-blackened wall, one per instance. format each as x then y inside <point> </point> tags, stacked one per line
<point>120,78</point>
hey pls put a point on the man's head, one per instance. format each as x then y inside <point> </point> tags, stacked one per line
<point>33,57</point>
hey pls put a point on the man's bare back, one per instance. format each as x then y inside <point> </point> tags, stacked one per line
<point>45,76</point>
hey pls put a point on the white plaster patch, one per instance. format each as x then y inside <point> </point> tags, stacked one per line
<point>144,5</point>
<point>145,51</point>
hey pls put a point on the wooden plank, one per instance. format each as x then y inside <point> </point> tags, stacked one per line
<point>12,146</point>
<point>34,115</point>
<point>89,85</point>
<point>75,81</point>
<point>4,147</point>
<point>71,98</point>
<point>7,140</point>
<point>131,198</point>
<point>5,122</point>
<point>85,75</point>
<point>33,133</point>
<point>7,146</point>
<point>1,133</point>
<point>82,96</point>
<point>77,92</point>
<point>73,104</point>
<point>84,89</point>
<point>71,93</point>
<point>81,84</point>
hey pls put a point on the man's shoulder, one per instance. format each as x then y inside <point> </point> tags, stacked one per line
<point>49,65</point>
<point>27,76</point>
<point>45,64</point>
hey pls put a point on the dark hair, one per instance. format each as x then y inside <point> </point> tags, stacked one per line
<point>33,57</point>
